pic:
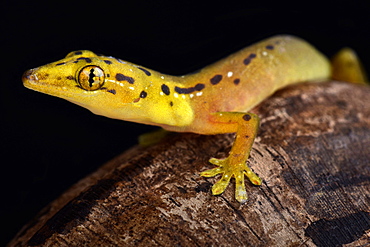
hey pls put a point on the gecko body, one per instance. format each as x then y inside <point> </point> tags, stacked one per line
<point>213,100</point>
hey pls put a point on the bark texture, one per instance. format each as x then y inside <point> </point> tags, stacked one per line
<point>312,151</point>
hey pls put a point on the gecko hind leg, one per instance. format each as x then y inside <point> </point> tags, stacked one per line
<point>346,66</point>
<point>235,164</point>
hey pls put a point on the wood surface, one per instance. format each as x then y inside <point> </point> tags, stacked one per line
<point>312,151</point>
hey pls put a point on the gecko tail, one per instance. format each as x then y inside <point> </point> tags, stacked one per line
<point>346,66</point>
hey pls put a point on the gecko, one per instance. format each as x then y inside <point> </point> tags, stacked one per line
<point>213,100</point>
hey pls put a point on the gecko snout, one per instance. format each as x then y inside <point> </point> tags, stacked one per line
<point>29,76</point>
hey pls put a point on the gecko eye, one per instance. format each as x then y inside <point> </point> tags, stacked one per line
<point>91,78</point>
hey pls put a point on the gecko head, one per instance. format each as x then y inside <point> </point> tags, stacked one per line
<point>98,83</point>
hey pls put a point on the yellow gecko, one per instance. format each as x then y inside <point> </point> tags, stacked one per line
<point>213,100</point>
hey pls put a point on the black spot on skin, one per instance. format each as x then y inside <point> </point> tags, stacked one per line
<point>78,52</point>
<point>247,61</point>
<point>70,77</point>
<point>197,87</point>
<point>246,137</point>
<point>58,64</point>
<point>143,94</point>
<point>184,90</point>
<point>145,71</point>
<point>165,89</point>
<point>121,77</point>
<point>247,117</point>
<point>249,58</point>
<point>171,103</point>
<point>112,91</point>
<point>236,81</point>
<point>108,75</point>
<point>269,47</point>
<point>107,61</point>
<point>216,79</point>
<point>88,60</point>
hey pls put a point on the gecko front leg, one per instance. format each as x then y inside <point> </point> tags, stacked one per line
<point>245,125</point>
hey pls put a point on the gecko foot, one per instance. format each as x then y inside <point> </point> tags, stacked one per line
<point>228,170</point>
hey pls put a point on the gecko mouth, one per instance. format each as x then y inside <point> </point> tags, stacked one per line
<point>32,81</point>
<point>39,82</point>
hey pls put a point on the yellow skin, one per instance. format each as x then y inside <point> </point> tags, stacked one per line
<point>213,100</point>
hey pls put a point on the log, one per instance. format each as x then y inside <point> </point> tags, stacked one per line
<point>312,152</point>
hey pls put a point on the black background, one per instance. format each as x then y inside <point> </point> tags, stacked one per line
<point>48,144</point>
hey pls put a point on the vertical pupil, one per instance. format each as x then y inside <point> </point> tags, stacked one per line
<point>91,77</point>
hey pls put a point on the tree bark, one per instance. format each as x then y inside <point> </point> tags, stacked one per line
<point>312,152</point>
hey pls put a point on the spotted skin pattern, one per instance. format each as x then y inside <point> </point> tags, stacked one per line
<point>213,100</point>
